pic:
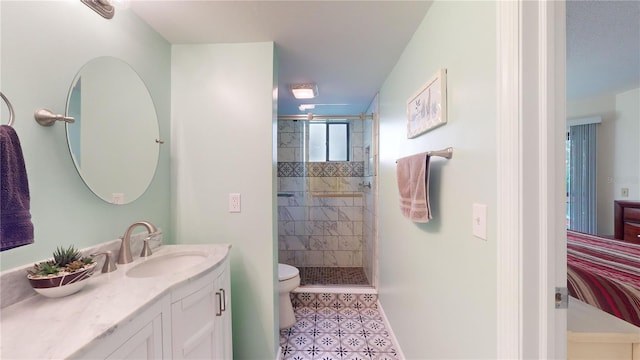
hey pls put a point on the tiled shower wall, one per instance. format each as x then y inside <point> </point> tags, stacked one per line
<point>320,204</point>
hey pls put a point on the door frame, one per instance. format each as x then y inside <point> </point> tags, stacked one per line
<point>531,235</point>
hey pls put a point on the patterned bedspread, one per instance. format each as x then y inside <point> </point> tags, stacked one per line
<point>605,273</point>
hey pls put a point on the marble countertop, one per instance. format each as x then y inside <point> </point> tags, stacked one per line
<point>39,327</point>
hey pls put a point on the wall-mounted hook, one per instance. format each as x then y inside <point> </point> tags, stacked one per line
<point>45,117</point>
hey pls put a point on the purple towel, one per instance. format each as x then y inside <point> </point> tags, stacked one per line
<point>16,228</point>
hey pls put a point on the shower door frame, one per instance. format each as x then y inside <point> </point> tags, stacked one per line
<point>371,255</point>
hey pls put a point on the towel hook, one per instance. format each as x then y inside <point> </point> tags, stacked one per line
<point>45,117</point>
<point>11,114</point>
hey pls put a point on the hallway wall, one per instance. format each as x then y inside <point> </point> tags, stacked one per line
<point>438,281</point>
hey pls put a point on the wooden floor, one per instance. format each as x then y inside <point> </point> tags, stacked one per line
<point>332,276</point>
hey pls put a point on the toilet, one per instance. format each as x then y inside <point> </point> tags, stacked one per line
<point>288,279</point>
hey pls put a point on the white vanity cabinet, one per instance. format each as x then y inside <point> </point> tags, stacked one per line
<point>144,344</point>
<point>144,337</point>
<point>189,318</point>
<point>201,317</point>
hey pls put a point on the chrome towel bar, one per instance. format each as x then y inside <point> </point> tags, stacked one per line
<point>445,153</point>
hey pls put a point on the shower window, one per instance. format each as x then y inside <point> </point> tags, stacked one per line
<point>329,141</point>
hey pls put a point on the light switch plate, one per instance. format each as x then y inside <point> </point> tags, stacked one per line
<point>480,221</point>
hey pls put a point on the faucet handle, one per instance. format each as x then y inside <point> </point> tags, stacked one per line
<point>109,263</point>
<point>146,250</point>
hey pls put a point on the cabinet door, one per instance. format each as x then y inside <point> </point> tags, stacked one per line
<point>201,318</point>
<point>145,344</point>
<point>143,337</point>
<point>193,321</point>
<point>223,286</point>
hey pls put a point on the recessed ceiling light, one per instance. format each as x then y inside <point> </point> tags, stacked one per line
<point>304,91</point>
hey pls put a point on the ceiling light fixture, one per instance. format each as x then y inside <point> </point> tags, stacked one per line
<point>102,7</point>
<point>304,91</point>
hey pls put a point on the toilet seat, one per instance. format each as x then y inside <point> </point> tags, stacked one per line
<point>286,272</point>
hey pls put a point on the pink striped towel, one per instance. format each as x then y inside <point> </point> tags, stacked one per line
<point>413,186</point>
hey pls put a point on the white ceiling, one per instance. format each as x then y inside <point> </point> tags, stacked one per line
<point>603,47</point>
<point>349,47</point>
<point>346,47</point>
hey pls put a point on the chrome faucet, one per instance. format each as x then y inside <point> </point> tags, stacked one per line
<point>124,257</point>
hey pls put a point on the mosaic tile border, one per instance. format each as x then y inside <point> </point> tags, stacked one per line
<point>334,301</point>
<point>321,169</point>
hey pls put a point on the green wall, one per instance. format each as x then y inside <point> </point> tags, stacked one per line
<point>232,144</point>
<point>223,131</point>
<point>43,45</point>
<point>438,281</point>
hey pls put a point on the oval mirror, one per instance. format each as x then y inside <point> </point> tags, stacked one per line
<point>114,140</point>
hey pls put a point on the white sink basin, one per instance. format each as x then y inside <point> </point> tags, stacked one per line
<point>167,264</point>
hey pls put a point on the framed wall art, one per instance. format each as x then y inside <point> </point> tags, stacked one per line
<point>427,109</point>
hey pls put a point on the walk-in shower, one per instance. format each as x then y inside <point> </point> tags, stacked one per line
<point>326,224</point>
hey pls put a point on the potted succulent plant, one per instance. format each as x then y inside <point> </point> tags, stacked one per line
<point>63,275</point>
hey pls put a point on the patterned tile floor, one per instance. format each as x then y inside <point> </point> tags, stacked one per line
<point>332,276</point>
<point>337,326</point>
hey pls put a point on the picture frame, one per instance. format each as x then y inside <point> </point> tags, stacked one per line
<point>427,109</point>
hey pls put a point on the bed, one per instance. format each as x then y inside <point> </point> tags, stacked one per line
<point>605,273</point>
<point>603,278</point>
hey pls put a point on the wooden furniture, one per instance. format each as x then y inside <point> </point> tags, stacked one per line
<point>594,334</point>
<point>626,215</point>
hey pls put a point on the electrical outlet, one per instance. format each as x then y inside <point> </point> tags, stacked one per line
<point>117,198</point>
<point>624,192</point>
<point>234,202</point>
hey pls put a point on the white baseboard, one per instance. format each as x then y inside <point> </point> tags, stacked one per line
<point>391,334</point>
